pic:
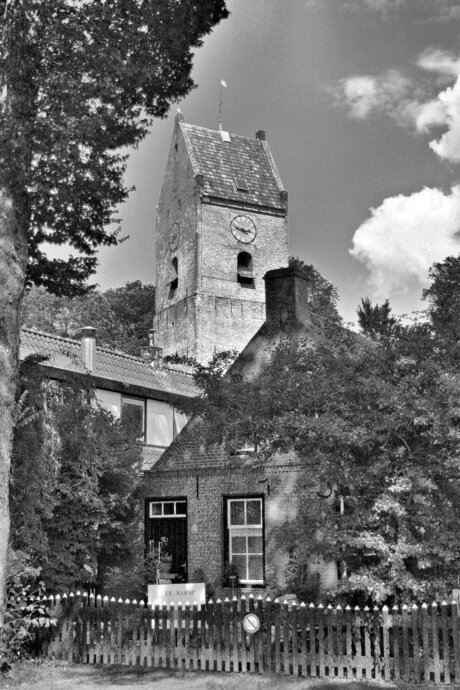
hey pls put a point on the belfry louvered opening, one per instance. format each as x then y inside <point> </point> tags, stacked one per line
<point>244,270</point>
<point>174,276</point>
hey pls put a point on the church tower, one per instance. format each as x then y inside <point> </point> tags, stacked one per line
<point>221,225</point>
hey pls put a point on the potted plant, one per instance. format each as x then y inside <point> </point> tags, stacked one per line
<point>159,560</point>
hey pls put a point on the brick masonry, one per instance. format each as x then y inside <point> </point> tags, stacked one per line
<point>210,311</point>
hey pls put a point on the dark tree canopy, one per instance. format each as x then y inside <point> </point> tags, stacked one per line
<point>323,295</point>
<point>77,518</point>
<point>83,81</point>
<point>443,297</point>
<point>375,321</point>
<point>377,423</point>
<point>122,316</point>
<point>80,83</point>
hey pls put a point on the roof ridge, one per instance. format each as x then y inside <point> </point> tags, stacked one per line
<point>216,131</point>
<point>37,331</point>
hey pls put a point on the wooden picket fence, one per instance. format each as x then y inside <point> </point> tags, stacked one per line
<point>411,644</point>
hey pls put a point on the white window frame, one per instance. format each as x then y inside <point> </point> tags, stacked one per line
<point>246,530</point>
<point>175,514</point>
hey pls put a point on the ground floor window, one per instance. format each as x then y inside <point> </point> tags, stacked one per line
<point>244,539</point>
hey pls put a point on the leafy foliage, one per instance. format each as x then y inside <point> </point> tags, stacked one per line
<point>377,425</point>
<point>25,613</point>
<point>83,81</point>
<point>375,321</point>
<point>323,295</point>
<point>443,298</point>
<point>77,518</point>
<point>122,316</point>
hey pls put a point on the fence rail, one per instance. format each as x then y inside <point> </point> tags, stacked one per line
<point>417,644</point>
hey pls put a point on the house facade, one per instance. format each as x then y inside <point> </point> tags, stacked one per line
<point>227,517</point>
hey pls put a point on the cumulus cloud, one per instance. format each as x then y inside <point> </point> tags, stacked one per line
<point>400,98</point>
<point>404,236</point>
<point>365,94</point>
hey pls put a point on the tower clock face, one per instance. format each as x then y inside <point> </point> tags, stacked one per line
<point>174,236</point>
<point>243,229</point>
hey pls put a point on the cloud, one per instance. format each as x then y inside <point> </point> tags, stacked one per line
<point>365,94</point>
<point>404,236</point>
<point>441,61</point>
<point>437,10</point>
<point>395,95</point>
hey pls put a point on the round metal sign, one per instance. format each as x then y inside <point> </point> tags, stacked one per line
<point>251,623</point>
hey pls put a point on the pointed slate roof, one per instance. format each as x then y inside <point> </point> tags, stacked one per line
<point>223,160</point>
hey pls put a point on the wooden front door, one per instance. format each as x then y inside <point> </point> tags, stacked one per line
<point>167,517</point>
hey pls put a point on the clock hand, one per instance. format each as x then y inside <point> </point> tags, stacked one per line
<point>241,228</point>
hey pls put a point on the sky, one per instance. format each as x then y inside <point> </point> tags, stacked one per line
<point>360,100</point>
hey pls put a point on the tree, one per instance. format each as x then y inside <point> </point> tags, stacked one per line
<point>378,425</point>
<point>443,298</point>
<point>375,321</point>
<point>80,82</point>
<point>323,295</point>
<point>122,316</point>
<point>77,518</point>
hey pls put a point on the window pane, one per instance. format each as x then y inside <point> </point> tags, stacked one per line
<point>133,414</point>
<point>254,512</point>
<point>237,513</point>
<point>155,509</point>
<point>256,568</point>
<point>240,563</point>
<point>238,544</point>
<point>255,544</point>
<point>181,508</point>
<point>168,508</point>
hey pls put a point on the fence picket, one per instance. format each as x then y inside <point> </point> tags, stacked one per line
<point>446,674</point>
<point>455,641</point>
<point>406,660</point>
<point>435,640</point>
<point>412,645</point>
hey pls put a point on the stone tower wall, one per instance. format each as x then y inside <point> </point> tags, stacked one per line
<point>210,311</point>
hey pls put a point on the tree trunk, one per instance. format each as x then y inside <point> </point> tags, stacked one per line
<point>13,262</point>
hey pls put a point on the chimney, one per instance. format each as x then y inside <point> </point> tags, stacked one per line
<point>286,298</point>
<point>151,353</point>
<point>88,347</point>
<point>260,134</point>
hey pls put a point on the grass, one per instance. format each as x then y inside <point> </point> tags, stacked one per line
<point>48,675</point>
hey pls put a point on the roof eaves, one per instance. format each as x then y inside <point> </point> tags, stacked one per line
<point>271,162</point>
<point>189,146</point>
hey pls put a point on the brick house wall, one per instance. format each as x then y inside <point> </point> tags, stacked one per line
<point>206,476</point>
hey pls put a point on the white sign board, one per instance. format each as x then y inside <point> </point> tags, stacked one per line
<point>181,593</point>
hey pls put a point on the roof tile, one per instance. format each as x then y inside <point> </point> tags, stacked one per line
<point>220,162</point>
<point>64,353</point>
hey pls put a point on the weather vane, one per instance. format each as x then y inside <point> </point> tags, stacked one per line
<point>223,84</point>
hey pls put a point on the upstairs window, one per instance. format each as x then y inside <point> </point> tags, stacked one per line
<point>133,414</point>
<point>174,277</point>
<point>244,270</point>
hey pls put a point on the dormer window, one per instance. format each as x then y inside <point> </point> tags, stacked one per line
<point>241,184</point>
<point>244,270</point>
<point>174,278</point>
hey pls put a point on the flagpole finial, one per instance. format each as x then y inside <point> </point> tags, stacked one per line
<point>223,84</point>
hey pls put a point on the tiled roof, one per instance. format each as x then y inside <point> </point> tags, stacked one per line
<point>220,162</point>
<point>64,353</point>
